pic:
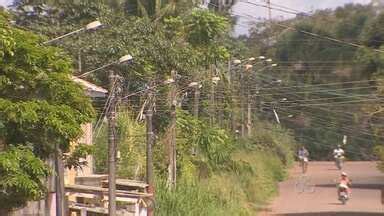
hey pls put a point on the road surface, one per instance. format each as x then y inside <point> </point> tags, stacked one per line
<point>321,200</point>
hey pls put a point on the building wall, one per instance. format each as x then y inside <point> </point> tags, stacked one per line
<point>70,175</point>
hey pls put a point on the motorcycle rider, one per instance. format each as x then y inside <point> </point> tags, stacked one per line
<point>344,183</point>
<point>303,155</point>
<point>338,153</point>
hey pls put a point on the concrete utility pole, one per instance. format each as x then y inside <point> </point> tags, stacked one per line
<point>212,95</point>
<point>195,109</point>
<point>196,100</point>
<point>232,82</point>
<point>60,189</point>
<point>269,10</point>
<point>150,142</point>
<point>249,110</point>
<point>270,22</point>
<point>112,146</point>
<point>172,141</point>
<point>242,103</point>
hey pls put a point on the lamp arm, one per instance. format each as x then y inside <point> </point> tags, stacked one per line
<point>94,70</point>
<point>63,36</point>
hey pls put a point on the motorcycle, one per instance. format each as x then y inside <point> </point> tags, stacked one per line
<point>339,161</point>
<point>343,193</point>
<point>304,164</point>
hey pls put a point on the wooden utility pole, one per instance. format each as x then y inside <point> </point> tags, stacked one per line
<point>150,142</point>
<point>112,146</point>
<point>172,139</point>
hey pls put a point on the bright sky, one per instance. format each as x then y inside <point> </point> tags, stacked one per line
<point>300,5</point>
<point>244,8</point>
<point>5,2</point>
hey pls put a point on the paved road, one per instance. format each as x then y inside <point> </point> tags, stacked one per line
<point>367,192</point>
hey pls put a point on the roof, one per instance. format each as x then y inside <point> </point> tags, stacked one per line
<point>92,89</point>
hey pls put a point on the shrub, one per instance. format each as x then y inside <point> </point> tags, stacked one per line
<point>22,177</point>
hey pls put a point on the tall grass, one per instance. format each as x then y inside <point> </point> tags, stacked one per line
<point>240,192</point>
<point>226,177</point>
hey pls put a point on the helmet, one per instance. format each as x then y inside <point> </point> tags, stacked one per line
<point>344,174</point>
<point>339,146</point>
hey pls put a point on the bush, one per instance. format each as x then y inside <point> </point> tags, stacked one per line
<point>380,153</point>
<point>226,177</point>
<point>22,177</point>
<point>131,145</point>
<point>240,186</point>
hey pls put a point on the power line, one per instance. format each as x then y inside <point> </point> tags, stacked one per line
<point>310,33</point>
<point>327,123</point>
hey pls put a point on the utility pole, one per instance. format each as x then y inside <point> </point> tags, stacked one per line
<point>172,141</point>
<point>212,96</point>
<point>232,82</point>
<point>270,22</point>
<point>112,146</point>
<point>150,142</point>
<point>60,193</point>
<point>269,10</point>
<point>242,103</point>
<point>79,59</point>
<point>196,100</point>
<point>249,110</point>
<point>195,109</point>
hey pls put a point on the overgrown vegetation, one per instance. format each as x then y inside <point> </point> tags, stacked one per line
<point>225,176</point>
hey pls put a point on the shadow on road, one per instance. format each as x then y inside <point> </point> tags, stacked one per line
<point>337,204</point>
<point>356,186</point>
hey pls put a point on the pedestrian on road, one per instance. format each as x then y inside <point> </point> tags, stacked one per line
<point>303,156</point>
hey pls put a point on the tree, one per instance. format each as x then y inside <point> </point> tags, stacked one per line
<point>40,108</point>
<point>22,175</point>
<point>320,113</point>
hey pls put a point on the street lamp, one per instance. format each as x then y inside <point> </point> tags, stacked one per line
<point>90,26</point>
<point>236,61</point>
<point>111,134</point>
<point>248,66</point>
<point>169,81</point>
<point>215,79</point>
<point>111,128</point>
<point>251,59</point>
<point>60,208</point>
<point>122,60</point>
<point>193,84</point>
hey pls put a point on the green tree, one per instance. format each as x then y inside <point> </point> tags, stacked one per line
<point>40,108</point>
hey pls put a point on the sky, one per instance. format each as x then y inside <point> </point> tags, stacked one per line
<point>242,8</point>
<point>5,2</point>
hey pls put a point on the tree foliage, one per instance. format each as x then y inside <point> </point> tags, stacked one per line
<point>326,88</point>
<point>22,177</point>
<point>40,107</point>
